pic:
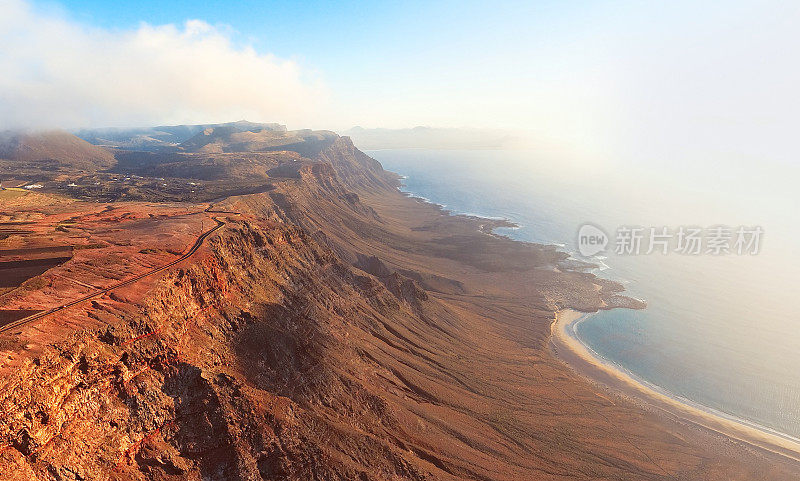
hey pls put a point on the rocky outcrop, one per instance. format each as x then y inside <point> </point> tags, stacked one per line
<point>356,169</point>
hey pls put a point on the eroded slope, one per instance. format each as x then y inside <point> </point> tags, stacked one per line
<point>334,329</point>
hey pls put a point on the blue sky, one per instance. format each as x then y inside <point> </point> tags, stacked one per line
<point>401,45</point>
<point>338,30</point>
<point>609,78</point>
<point>405,55</point>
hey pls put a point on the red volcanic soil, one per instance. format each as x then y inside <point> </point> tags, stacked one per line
<point>104,243</point>
<point>332,329</point>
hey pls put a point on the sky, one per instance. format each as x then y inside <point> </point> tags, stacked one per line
<point>609,78</point>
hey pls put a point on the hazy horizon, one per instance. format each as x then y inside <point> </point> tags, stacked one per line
<point>687,81</point>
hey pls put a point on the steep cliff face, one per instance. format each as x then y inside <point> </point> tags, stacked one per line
<point>240,366</point>
<point>356,169</point>
<point>334,329</point>
<point>280,351</point>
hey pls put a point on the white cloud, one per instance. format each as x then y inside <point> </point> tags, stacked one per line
<point>56,72</point>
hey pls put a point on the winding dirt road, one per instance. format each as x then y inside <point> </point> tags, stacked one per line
<point>101,292</point>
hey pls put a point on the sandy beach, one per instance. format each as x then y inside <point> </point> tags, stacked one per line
<point>578,356</point>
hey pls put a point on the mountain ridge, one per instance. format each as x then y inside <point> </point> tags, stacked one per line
<point>332,328</point>
<point>54,149</point>
<point>164,136</point>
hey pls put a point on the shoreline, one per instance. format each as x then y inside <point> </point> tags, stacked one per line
<point>569,349</point>
<point>492,222</point>
<point>606,376</point>
<point>496,221</point>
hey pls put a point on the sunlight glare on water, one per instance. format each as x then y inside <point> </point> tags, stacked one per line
<point>719,330</point>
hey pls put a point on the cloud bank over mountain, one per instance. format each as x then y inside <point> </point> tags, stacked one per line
<point>60,73</point>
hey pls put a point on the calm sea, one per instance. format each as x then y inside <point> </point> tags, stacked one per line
<point>721,331</point>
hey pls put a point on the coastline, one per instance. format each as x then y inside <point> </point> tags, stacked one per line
<point>491,222</point>
<point>394,339</point>
<point>569,349</point>
<point>592,366</point>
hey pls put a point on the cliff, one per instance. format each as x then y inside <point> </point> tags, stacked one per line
<point>335,329</point>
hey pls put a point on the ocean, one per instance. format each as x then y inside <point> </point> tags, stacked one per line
<point>720,331</point>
